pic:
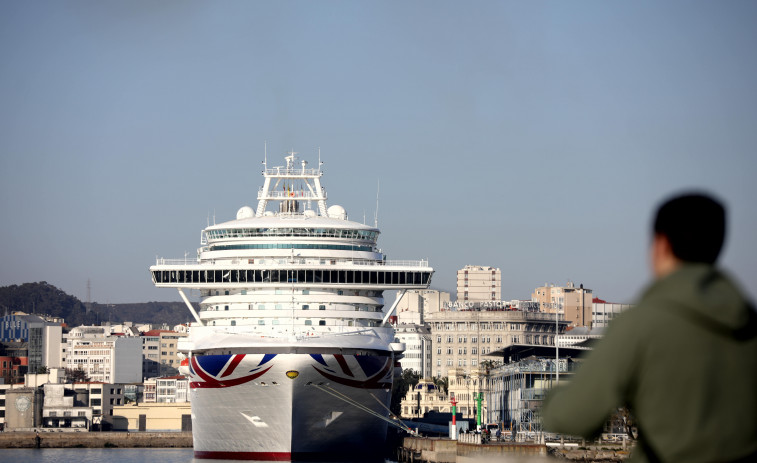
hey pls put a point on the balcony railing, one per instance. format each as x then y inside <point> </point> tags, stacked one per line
<point>275,262</point>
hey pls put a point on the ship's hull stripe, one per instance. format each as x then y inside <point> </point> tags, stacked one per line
<point>259,456</point>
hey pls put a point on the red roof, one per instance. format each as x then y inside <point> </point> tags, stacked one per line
<point>156,332</point>
<point>597,300</point>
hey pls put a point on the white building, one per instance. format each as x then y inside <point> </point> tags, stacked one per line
<point>169,389</point>
<point>415,304</point>
<point>417,356</point>
<point>603,312</point>
<point>111,359</point>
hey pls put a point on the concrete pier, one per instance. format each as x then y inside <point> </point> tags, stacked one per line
<point>470,450</point>
<point>419,449</point>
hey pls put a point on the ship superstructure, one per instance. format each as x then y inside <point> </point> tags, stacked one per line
<point>290,354</point>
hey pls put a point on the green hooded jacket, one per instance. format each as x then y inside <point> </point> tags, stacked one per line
<point>684,360</point>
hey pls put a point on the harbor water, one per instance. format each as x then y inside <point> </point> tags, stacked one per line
<point>139,455</point>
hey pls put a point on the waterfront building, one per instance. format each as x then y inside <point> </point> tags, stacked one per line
<point>465,385</point>
<point>108,359</point>
<point>422,398</point>
<point>515,390</point>
<point>477,283</point>
<point>574,303</point>
<point>603,312</point>
<point>170,389</point>
<point>23,408</point>
<point>417,355</point>
<point>153,417</point>
<point>462,338</point>
<point>65,409</point>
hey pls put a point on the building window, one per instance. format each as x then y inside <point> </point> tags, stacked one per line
<point>321,322</point>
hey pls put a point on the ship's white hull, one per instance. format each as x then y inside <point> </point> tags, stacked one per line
<point>290,406</point>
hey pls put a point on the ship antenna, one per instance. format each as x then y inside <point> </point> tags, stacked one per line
<point>265,154</point>
<point>375,217</point>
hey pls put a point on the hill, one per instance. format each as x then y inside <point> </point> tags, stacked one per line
<point>44,298</point>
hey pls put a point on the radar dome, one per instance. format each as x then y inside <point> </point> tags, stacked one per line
<point>337,212</point>
<point>245,212</point>
<point>309,213</point>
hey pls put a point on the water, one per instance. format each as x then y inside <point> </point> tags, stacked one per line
<point>103,455</point>
<point>97,455</point>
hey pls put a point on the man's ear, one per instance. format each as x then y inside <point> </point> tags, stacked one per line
<point>663,259</point>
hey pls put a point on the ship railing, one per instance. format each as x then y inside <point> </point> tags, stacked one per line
<point>184,261</point>
<point>393,263</point>
<point>293,171</point>
<point>276,195</point>
<point>289,261</point>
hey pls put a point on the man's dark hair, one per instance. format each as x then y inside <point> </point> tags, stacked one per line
<point>695,226</point>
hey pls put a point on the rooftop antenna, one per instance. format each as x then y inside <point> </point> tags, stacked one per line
<point>375,217</point>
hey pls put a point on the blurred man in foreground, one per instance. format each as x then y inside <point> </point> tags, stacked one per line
<point>684,359</point>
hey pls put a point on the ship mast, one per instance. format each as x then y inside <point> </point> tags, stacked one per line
<point>310,178</point>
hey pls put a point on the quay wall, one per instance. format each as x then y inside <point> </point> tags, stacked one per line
<point>29,440</point>
<point>428,449</point>
<point>510,451</point>
<point>442,450</point>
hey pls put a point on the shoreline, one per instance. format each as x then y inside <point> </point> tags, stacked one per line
<point>42,440</point>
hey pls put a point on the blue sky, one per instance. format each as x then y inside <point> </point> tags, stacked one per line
<point>536,137</point>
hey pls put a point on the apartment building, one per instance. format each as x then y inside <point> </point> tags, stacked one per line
<point>477,283</point>
<point>107,359</point>
<point>574,303</point>
<point>160,353</point>
<point>170,389</point>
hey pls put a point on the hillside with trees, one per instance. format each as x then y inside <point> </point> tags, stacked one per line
<point>43,298</point>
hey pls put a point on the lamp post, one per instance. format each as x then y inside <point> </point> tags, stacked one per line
<point>557,345</point>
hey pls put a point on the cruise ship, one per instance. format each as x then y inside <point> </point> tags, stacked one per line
<point>291,355</point>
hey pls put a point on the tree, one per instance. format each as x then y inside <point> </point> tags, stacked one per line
<point>43,370</point>
<point>400,387</point>
<point>442,383</point>
<point>76,375</point>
